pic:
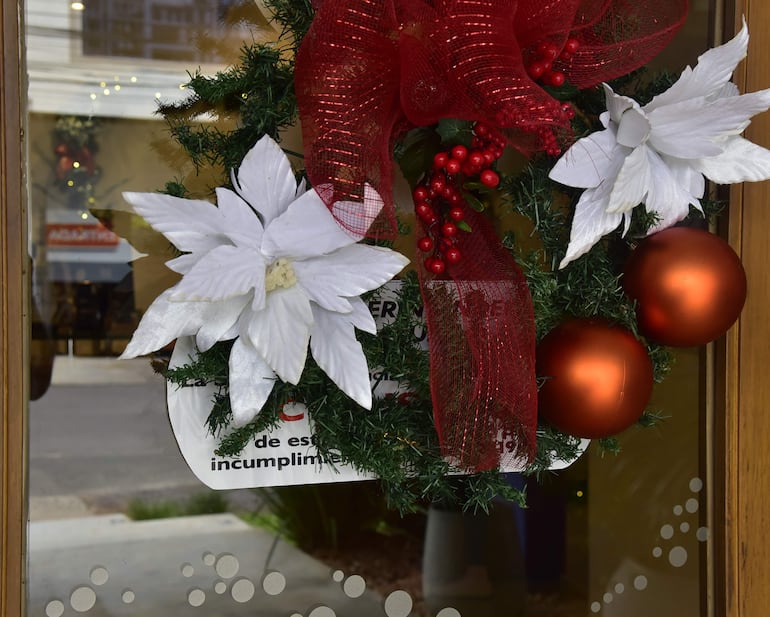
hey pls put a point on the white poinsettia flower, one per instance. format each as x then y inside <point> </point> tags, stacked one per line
<point>269,267</point>
<point>658,154</point>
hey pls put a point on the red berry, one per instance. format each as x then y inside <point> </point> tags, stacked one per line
<point>437,184</point>
<point>440,159</point>
<point>456,213</point>
<point>554,78</point>
<point>565,55</point>
<point>453,255</point>
<point>550,52</point>
<point>423,210</point>
<point>490,178</point>
<point>571,46</point>
<point>435,265</point>
<point>425,244</point>
<point>455,199</point>
<point>536,69</point>
<point>420,194</point>
<point>459,152</point>
<point>481,129</point>
<point>475,158</point>
<point>453,166</point>
<point>449,230</point>
<point>489,157</point>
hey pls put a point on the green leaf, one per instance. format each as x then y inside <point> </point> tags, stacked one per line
<point>415,153</point>
<point>474,202</point>
<point>464,226</point>
<point>453,132</point>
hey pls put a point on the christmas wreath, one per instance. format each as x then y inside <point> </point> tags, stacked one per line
<point>550,284</point>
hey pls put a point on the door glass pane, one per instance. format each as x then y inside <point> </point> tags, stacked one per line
<point>119,525</point>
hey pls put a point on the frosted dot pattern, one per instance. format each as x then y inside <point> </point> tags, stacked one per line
<point>55,608</point>
<point>398,604</point>
<point>227,566</point>
<point>83,599</point>
<point>338,576</point>
<point>274,583</point>
<point>242,590</point>
<point>209,559</point>
<point>322,611</point>
<point>448,612</point>
<point>677,556</point>
<point>354,586</point>
<point>187,570</point>
<point>128,596</point>
<point>196,597</point>
<point>99,575</point>
<point>220,587</point>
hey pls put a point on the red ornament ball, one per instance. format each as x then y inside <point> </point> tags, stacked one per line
<point>598,378</point>
<point>689,286</point>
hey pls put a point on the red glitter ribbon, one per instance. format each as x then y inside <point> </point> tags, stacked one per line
<point>368,70</point>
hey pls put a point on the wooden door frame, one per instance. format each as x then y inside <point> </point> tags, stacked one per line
<point>742,453</point>
<point>13,318</point>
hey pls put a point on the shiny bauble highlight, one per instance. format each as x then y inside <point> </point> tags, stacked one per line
<point>688,284</point>
<point>597,378</point>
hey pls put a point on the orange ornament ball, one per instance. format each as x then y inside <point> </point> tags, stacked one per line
<point>689,286</point>
<point>597,378</point>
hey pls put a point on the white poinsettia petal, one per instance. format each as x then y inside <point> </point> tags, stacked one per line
<point>335,348</point>
<point>265,180</point>
<point>280,331</point>
<point>617,103</point>
<point>226,272</point>
<point>165,321</point>
<point>693,128</point>
<point>586,163</point>
<point>686,175</point>
<point>713,70</point>
<point>239,222</point>
<point>306,229</point>
<point>361,316</point>
<point>669,200</point>
<point>348,272</point>
<point>632,182</point>
<point>590,223</point>
<point>356,215</point>
<point>220,322</point>
<point>193,226</point>
<point>633,129</point>
<point>250,382</point>
<point>741,161</point>
<point>184,263</point>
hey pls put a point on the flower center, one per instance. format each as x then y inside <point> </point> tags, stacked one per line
<point>280,274</point>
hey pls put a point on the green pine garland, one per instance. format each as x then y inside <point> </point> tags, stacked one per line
<point>397,440</point>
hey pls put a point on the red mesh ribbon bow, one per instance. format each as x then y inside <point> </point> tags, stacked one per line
<point>367,70</point>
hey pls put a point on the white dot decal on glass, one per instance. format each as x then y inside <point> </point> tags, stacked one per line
<point>448,612</point>
<point>696,484</point>
<point>187,570</point>
<point>55,608</point>
<point>398,604</point>
<point>691,506</point>
<point>640,582</point>
<point>677,556</point>
<point>678,510</point>
<point>322,611</point>
<point>83,599</point>
<point>702,534</point>
<point>128,596</point>
<point>657,551</point>
<point>355,586</point>
<point>338,576</point>
<point>667,532</point>
<point>295,615</point>
<point>684,527</point>
<point>595,607</point>
<point>620,588</point>
<point>242,590</point>
<point>607,597</point>
<point>274,583</point>
<point>220,587</point>
<point>209,559</point>
<point>99,575</point>
<point>196,597</point>
<point>227,566</point>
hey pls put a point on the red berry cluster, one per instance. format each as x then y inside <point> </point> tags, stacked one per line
<point>438,198</point>
<point>546,53</point>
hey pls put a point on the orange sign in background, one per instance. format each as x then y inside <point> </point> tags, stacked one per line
<point>80,234</point>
